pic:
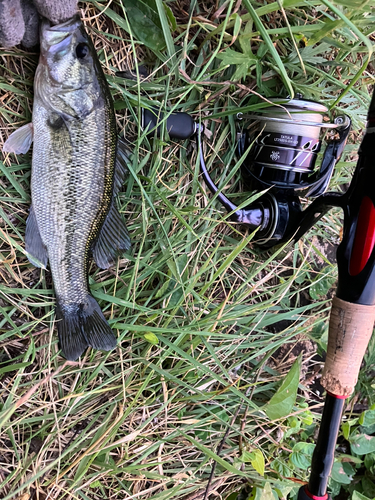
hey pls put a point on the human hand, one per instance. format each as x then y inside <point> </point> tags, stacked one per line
<point>19,19</point>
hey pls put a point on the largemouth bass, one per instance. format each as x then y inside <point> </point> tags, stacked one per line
<point>78,166</point>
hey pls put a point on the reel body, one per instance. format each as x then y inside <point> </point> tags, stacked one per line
<point>283,151</point>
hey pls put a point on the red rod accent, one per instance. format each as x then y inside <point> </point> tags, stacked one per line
<point>364,239</point>
<point>336,396</point>
<point>314,497</point>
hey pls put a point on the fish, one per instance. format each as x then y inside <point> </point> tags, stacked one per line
<point>78,167</point>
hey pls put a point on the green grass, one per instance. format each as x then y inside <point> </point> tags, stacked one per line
<point>206,323</point>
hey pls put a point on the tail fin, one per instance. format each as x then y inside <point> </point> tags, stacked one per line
<point>83,325</point>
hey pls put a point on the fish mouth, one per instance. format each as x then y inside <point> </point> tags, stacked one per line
<point>57,38</point>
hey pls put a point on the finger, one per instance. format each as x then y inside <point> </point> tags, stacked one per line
<point>31,20</point>
<point>56,12</point>
<point>12,26</point>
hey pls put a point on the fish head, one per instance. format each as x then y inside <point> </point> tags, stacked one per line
<point>68,77</point>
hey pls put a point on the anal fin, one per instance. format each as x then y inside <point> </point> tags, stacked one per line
<point>35,248</point>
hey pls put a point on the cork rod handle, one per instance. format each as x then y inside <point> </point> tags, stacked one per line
<point>350,329</point>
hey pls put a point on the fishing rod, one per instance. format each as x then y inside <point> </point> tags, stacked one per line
<point>280,155</point>
<point>353,310</point>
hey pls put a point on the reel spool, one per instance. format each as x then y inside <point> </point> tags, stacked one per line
<point>284,147</point>
<point>287,141</point>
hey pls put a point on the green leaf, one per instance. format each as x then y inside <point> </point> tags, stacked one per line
<point>306,418</point>
<point>335,488</point>
<point>230,56</point>
<point>105,460</point>
<point>327,28</point>
<point>345,426</point>
<point>282,488</point>
<point>16,366</point>
<point>281,467</point>
<point>350,459</point>
<point>301,455</point>
<point>340,474</point>
<point>237,26</point>
<point>144,21</point>
<point>359,496</point>
<point>170,16</point>
<point>256,459</point>
<point>367,418</point>
<point>247,59</point>
<point>281,404</point>
<point>241,72</point>
<point>152,338</point>
<point>312,55</point>
<point>267,493</point>
<point>233,496</point>
<point>245,39</point>
<point>258,462</point>
<point>369,460</point>
<point>321,286</point>
<point>368,486</point>
<point>361,444</point>
<point>178,266</point>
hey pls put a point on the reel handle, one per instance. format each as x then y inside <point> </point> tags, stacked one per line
<point>182,126</point>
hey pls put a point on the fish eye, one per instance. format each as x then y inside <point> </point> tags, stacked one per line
<point>82,50</point>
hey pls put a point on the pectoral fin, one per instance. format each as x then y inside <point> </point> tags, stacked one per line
<point>20,140</point>
<point>35,248</point>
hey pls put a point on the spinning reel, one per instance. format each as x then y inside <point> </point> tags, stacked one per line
<point>283,147</point>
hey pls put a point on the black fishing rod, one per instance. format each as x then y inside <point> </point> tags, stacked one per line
<point>281,157</point>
